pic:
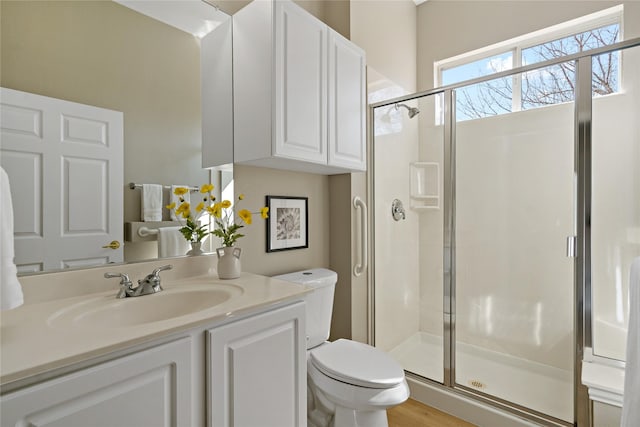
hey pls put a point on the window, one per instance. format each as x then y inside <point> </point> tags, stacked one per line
<point>541,87</point>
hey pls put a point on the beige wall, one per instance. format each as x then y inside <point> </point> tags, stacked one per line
<point>386,30</point>
<point>103,54</point>
<point>449,28</point>
<point>256,183</point>
<point>340,256</point>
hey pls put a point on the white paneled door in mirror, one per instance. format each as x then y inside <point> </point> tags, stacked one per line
<point>68,157</point>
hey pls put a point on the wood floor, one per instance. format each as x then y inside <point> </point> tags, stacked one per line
<point>414,414</point>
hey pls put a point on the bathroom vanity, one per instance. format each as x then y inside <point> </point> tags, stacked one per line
<point>201,352</point>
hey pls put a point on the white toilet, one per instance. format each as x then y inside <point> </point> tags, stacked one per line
<point>349,384</point>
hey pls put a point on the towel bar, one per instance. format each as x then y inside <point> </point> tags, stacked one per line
<point>146,231</point>
<point>133,186</point>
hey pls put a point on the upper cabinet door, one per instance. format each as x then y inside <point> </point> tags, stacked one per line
<point>298,92</point>
<point>300,84</point>
<point>347,104</point>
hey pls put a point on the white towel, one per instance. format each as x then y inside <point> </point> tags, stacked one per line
<point>176,199</point>
<point>10,289</point>
<point>171,242</point>
<point>631,402</point>
<point>151,203</point>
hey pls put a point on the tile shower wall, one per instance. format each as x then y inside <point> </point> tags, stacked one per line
<point>397,249</point>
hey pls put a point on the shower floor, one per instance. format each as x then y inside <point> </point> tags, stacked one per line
<point>543,388</point>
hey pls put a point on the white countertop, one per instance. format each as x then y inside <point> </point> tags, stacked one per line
<point>31,344</point>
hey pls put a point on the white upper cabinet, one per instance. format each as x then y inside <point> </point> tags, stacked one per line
<point>347,107</point>
<point>217,96</point>
<point>300,85</point>
<point>299,92</point>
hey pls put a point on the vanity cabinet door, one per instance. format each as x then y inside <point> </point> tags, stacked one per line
<point>149,388</point>
<point>257,371</point>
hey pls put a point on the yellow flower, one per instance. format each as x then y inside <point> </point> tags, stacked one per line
<point>206,188</point>
<point>226,204</point>
<point>171,206</point>
<point>264,212</point>
<point>200,206</point>
<point>216,210</point>
<point>212,211</point>
<point>241,197</point>
<point>184,207</point>
<point>180,191</point>
<point>245,215</point>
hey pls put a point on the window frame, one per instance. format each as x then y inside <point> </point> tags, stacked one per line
<point>605,17</point>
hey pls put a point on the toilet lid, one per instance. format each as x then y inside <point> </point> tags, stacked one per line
<point>358,364</point>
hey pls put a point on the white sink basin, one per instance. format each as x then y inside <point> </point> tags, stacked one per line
<point>105,311</point>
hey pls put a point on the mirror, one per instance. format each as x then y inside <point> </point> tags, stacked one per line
<point>105,54</point>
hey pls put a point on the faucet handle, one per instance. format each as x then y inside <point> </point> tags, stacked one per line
<point>159,269</point>
<point>126,287</point>
<point>151,283</point>
<point>125,277</point>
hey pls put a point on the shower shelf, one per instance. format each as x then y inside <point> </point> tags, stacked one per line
<point>425,185</point>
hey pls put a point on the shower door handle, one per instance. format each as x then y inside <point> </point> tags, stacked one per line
<point>363,253</point>
<point>571,246</point>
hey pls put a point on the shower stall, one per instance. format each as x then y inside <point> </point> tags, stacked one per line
<point>503,239</point>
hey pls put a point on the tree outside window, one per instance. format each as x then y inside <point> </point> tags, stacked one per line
<point>547,86</point>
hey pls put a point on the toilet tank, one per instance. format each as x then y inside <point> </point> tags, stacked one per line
<point>319,302</point>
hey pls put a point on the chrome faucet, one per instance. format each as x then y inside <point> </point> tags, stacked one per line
<point>151,283</point>
<point>126,287</point>
<point>146,286</point>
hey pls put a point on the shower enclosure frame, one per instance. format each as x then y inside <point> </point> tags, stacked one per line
<point>579,247</point>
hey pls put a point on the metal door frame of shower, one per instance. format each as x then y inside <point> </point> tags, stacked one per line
<point>582,260</point>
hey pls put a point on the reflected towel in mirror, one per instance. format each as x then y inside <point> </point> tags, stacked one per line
<point>171,242</point>
<point>10,289</point>
<point>151,203</point>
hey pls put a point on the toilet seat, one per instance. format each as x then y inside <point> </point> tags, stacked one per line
<point>358,364</point>
<point>352,396</point>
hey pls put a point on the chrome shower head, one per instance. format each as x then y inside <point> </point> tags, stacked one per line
<point>412,111</point>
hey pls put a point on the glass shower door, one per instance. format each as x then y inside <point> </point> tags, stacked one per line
<point>408,159</point>
<point>513,282</point>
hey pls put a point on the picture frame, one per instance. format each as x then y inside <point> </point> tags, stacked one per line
<point>288,223</point>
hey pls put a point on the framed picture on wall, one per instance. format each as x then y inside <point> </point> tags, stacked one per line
<point>288,223</point>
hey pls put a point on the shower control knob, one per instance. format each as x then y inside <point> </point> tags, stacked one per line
<point>397,210</point>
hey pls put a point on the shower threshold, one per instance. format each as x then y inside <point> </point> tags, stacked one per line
<point>533,385</point>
